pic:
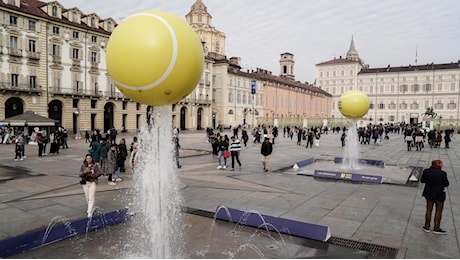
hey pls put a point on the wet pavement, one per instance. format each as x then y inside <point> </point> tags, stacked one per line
<point>385,215</point>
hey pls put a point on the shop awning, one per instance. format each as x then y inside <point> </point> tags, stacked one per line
<point>28,118</point>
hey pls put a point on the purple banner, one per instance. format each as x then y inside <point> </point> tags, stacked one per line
<point>348,176</point>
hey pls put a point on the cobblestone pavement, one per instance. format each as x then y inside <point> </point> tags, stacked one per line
<point>35,190</point>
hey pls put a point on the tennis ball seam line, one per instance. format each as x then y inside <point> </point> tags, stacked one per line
<point>172,63</point>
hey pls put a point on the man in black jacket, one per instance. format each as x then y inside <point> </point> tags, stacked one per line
<point>266,150</point>
<point>435,181</point>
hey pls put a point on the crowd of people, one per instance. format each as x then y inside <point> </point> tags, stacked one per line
<point>56,139</point>
<point>109,154</point>
<point>412,135</point>
<point>107,157</point>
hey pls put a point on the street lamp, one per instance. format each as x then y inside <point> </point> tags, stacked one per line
<point>76,114</point>
<point>253,92</point>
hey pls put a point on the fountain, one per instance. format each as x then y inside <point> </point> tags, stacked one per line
<point>172,70</point>
<point>351,147</point>
<point>155,229</point>
<point>353,105</point>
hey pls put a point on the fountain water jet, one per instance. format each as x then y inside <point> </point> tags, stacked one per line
<point>351,147</point>
<point>155,229</point>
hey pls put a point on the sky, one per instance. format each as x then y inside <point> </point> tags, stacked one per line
<point>390,32</point>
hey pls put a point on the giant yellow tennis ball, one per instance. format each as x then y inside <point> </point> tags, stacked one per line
<point>353,104</point>
<point>155,58</point>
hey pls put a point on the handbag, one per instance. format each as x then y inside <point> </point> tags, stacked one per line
<point>226,154</point>
<point>316,142</point>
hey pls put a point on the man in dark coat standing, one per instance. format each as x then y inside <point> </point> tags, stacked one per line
<point>434,192</point>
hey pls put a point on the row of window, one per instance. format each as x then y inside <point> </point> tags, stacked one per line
<point>76,53</point>
<point>14,80</point>
<point>415,78</point>
<point>243,99</point>
<point>55,49</point>
<point>124,106</point>
<point>392,79</point>
<point>74,18</point>
<point>76,36</point>
<point>438,105</point>
<point>77,85</point>
<point>342,73</point>
<point>414,88</point>
<point>414,105</point>
<point>31,26</point>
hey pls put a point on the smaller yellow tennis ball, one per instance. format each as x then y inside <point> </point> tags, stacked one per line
<point>155,58</point>
<point>353,104</point>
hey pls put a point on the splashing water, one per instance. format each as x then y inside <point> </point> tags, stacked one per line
<point>55,220</point>
<point>155,231</point>
<point>351,148</point>
<point>244,247</point>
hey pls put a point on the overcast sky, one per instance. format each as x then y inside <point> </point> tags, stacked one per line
<point>258,31</point>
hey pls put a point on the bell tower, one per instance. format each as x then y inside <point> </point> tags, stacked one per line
<point>287,65</point>
<point>201,21</point>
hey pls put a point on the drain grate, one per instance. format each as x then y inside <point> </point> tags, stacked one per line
<point>377,251</point>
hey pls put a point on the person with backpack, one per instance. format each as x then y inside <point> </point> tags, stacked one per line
<point>266,150</point>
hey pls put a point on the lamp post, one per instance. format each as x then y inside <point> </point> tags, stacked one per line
<point>234,97</point>
<point>77,132</point>
<point>253,92</point>
<point>253,111</point>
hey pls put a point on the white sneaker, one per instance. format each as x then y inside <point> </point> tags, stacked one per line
<point>118,179</point>
<point>21,159</point>
<point>111,183</point>
<point>225,167</point>
<point>219,167</point>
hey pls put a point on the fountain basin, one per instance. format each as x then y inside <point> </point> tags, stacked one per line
<point>378,163</point>
<point>367,171</point>
<point>16,245</point>
<point>281,225</point>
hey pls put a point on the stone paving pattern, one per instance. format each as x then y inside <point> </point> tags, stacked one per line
<point>383,214</point>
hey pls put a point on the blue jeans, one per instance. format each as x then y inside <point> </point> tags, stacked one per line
<point>117,173</point>
<point>64,143</point>
<point>220,155</point>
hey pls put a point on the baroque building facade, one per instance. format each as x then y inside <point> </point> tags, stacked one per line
<point>251,98</point>
<point>53,63</point>
<point>397,94</point>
